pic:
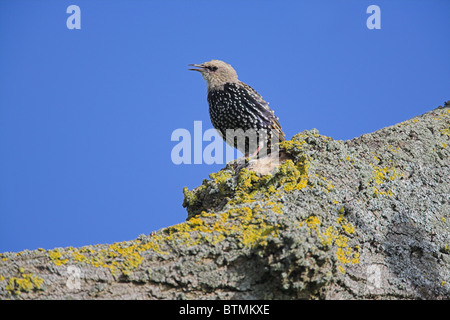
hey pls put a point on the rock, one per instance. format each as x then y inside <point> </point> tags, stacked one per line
<point>367,218</point>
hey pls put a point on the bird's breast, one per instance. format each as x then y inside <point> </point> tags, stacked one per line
<point>231,109</point>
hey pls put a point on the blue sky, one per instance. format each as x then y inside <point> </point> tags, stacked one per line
<point>86,116</point>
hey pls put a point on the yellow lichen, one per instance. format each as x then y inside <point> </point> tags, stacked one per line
<point>248,184</point>
<point>395,150</point>
<point>120,256</point>
<point>294,176</point>
<point>332,236</point>
<point>220,177</point>
<point>351,160</point>
<point>312,222</point>
<point>326,185</point>
<point>297,142</point>
<point>245,224</point>
<point>346,226</point>
<point>56,256</point>
<point>251,195</point>
<point>25,283</point>
<point>189,196</point>
<point>381,175</point>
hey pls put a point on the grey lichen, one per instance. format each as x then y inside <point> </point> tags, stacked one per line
<point>357,219</point>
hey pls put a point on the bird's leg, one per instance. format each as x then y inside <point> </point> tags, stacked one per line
<point>254,155</point>
<point>256,152</point>
<point>247,156</point>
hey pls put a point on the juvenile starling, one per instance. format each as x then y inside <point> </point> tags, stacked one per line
<point>234,105</point>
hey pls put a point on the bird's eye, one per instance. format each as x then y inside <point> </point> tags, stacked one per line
<point>211,68</point>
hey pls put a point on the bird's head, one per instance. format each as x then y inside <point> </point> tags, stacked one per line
<point>216,73</point>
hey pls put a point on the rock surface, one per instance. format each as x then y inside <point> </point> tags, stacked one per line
<point>367,218</point>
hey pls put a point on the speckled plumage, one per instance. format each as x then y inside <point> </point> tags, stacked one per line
<point>234,105</point>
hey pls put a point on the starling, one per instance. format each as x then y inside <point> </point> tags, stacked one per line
<point>236,108</point>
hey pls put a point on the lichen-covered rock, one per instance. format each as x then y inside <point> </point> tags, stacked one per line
<point>358,219</point>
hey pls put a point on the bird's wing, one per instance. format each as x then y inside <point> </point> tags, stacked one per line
<point>263,109</point>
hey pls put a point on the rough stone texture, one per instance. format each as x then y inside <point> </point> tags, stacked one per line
<point>367,218</point>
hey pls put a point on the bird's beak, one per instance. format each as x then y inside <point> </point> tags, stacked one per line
<point>200,66</point>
